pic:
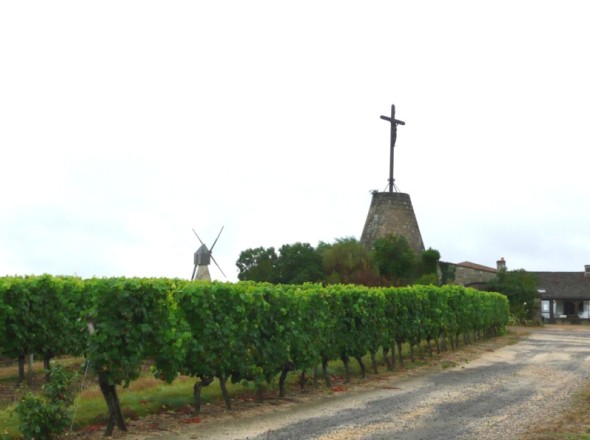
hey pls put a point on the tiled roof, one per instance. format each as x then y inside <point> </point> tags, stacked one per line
<point>563,285</point>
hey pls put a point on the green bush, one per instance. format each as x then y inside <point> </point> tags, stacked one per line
<point>46,417</point>
<point>41,419</point>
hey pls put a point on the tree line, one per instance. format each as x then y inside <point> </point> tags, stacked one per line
<point>391,262</point>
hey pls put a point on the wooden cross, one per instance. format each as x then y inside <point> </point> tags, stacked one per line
<point>394,123</point>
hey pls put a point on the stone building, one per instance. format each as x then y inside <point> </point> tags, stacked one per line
<point>467,273</point>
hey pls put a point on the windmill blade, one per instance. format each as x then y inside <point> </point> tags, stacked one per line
<point>211,250</point>
<point>198,237</point>
<point>218,266</point>
<point>194,272</point>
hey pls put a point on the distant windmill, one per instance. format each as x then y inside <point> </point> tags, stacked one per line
<point>203,257</point>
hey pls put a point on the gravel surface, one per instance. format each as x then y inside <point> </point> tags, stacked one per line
<point>498,395</point>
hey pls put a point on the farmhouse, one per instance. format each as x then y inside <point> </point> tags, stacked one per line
<point>565,296</point>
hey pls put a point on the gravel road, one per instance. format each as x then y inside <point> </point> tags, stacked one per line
<point>496,396</point>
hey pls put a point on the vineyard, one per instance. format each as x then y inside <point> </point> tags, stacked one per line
<point>232,332</point>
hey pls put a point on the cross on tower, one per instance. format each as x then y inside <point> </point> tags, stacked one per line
<point>394,123</point>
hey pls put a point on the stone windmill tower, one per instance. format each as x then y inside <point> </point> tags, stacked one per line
<point>391,212</point>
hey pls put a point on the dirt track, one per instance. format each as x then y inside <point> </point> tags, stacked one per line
<point>499,393</point>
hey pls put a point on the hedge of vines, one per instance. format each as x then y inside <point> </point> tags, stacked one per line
<point>242,331</point>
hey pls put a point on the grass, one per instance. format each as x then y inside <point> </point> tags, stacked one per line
<point>144,396</point>
<point>448,364</point>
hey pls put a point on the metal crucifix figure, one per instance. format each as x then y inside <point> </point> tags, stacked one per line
<point>394,123</point>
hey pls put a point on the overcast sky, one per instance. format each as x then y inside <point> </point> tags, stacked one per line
<point>125,124</point>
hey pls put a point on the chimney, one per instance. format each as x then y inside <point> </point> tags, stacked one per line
<point>587,270</point>
<point>501,265</point>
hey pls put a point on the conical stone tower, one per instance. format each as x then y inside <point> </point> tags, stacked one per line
<point>203,273</point>
<point>392,212</point>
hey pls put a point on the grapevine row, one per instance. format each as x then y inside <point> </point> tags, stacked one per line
<point>242,331</point>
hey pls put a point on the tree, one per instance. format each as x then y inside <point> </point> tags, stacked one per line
<point>299,263</point>
<point>347,261</point>
<point>428,261</point>
<point>258,264</point>
<point>394,258</point>
<point>521,289</point>
<point>427,267</point>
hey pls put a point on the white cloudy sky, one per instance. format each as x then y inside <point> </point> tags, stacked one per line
<point>125,124</point>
